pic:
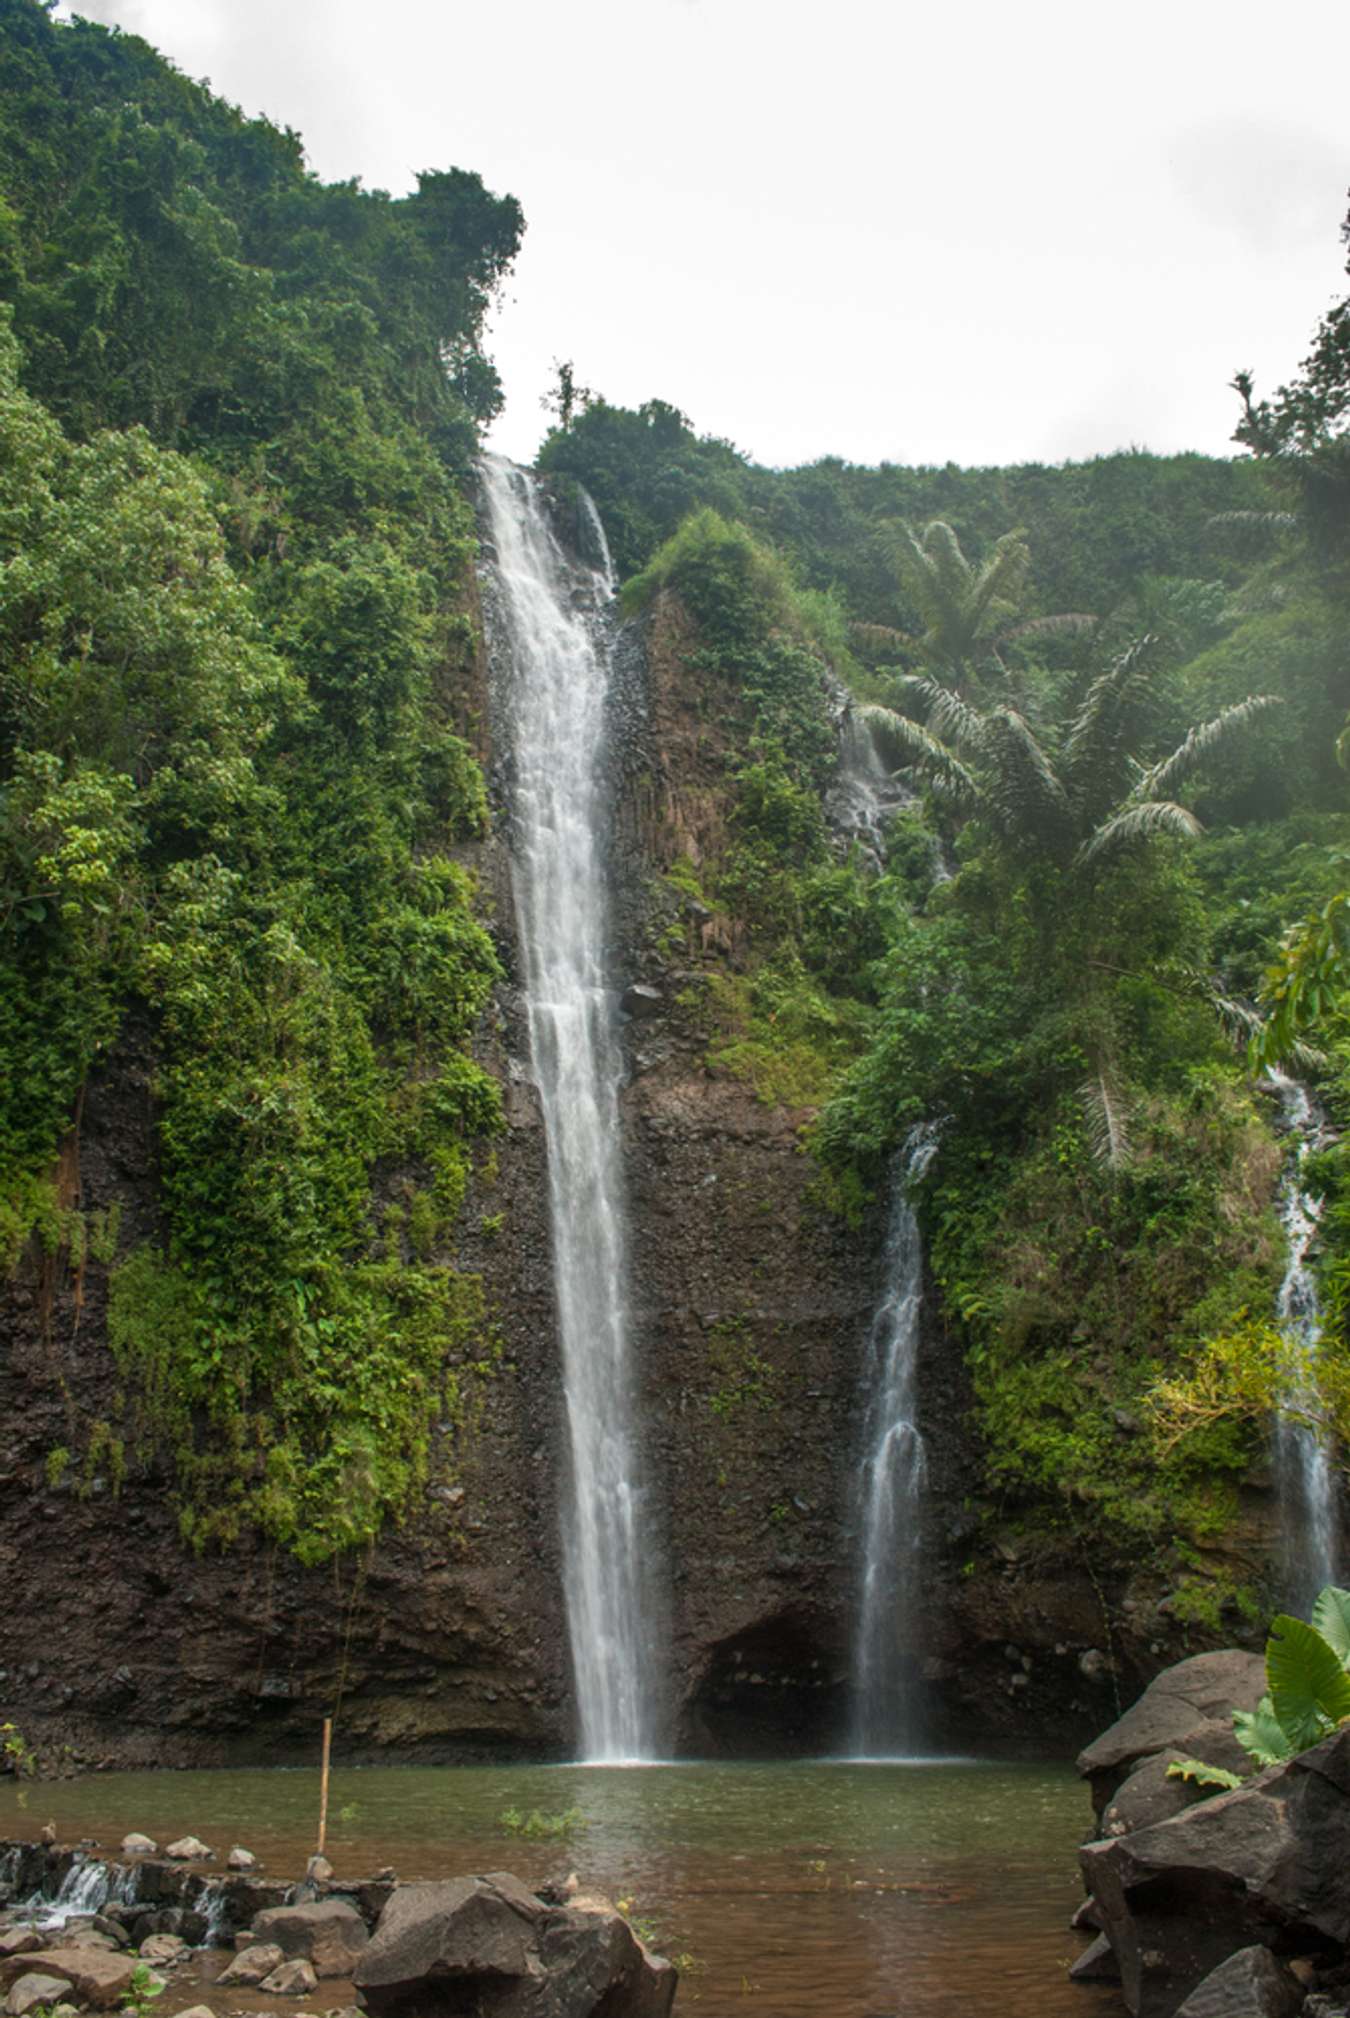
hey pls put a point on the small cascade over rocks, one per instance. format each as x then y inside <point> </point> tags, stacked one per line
<point>549,632</point>
<point>867,791</point>
<point>886,1716</point>
<point>1303,1460</point>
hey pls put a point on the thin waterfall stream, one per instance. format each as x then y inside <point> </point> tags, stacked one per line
<point>1303,1460</point>
<point>549,626</point>
<point>887,1711</point>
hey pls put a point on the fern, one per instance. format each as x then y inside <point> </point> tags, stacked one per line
<point>1201,1775</point>
<point>1107,1112</point>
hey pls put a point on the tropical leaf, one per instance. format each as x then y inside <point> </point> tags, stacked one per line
<point>1164,778</point>
<point>1309,1688</point>
<point>1202,1775</point>
<point>1261,1734</point>
<point>1331,1618</point>
<point>881,638</point>
<point>1108,1119</point>
<point>948,715</point>
<point>1133,824</point>
<point>905,743</point>
<point>1071,621</point>
<point>1096,739</point>
<point>1020,784</point>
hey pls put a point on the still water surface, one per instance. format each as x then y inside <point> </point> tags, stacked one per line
<point>800,1891</point>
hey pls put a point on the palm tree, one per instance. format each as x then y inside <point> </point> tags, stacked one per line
<point>1079,799</point>
<point>1077,802</point>
<point>966,611</point>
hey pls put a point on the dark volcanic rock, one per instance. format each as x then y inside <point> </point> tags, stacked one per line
<point>1250,1984</point>
<point>1096,1964</point>
<point>1263,1865</point>
<point>330,1933</point>
<point>1149,1795</point>
<point>1174,1710</point>
<point>490,1948</point>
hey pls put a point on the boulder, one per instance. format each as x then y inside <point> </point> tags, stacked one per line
<point>641,1000</point>
<point>164,1948</point>
<point>29,1991</point>
<point>490,1947</point>
<point>1096,1964</point>
<point>249,1967</point>
<point>96,1976</point>
<point>1250,1984</point>
<point>1263,1863</point>
<point>462,1928</point>
<point>1173,1711</point>
<point>19,1940</point>
<point>292,1979</point>
<point>241,1859</point>
<point>188,1849</point>
<point>331,1934</point>
<point>136,1845</point>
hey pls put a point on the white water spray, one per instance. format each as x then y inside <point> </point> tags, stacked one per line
<point>886,1710</point>
<point>1303,1461</point>
<point>550,613</point>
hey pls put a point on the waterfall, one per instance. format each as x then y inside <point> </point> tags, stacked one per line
<point>868,789</point>
<point>548,620</point>
<point>1303,1459</point>
<point>886,1708</point>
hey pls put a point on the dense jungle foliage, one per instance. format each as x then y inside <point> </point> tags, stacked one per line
<point>236,404</point>
<point>237,784</point>
<point>1116,691</point>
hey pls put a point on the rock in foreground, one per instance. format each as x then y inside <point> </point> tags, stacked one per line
<point>488,1948</point>
<point>1262,1866</point>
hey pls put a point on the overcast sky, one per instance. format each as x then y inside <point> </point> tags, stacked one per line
<point>983,233</point>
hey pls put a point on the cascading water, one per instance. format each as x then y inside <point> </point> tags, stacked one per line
<point>886,1721</point>
<point>548,617</point>
<point>1304,1471</point>
<point>867,790</point>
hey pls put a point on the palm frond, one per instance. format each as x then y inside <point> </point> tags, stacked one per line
<point>1020,783</point>
<point>906,744</point>
<point>1164,778</point>
<point>948,715</point>
<point>881,638</point>
<point>1106,1110</point>
<point>1265,522</point>
<point>1136,823</point>
<point>1000,578</point>
<point>1095,747</point>
<point>1068,621</point>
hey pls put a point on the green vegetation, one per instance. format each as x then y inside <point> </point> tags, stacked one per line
<point>238,794</point>
<point>540,1827</point>
<point>1078,671</point>
<point>1307,1696</point>
<point>236,404</point>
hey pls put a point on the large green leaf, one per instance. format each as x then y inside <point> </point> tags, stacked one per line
<point>1259,1732</point>
<point>1331,1616</point>
<point>1309,1689</point>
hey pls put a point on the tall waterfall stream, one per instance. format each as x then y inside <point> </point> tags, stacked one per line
<point>886,1710</point>
<point>549,616</point>
<point>1304,1470</point>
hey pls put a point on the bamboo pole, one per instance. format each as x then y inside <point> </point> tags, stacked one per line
<point>323,1783</point>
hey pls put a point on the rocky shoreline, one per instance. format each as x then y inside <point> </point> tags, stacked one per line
<point>1200,1904</point>
<point>81,1932</point>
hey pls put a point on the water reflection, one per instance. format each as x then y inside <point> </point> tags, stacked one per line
<point>831,1890</point>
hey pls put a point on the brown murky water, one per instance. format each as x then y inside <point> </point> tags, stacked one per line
<point>829,1890</point>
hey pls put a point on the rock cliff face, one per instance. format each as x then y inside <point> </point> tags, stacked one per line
<point>752,1303</point>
